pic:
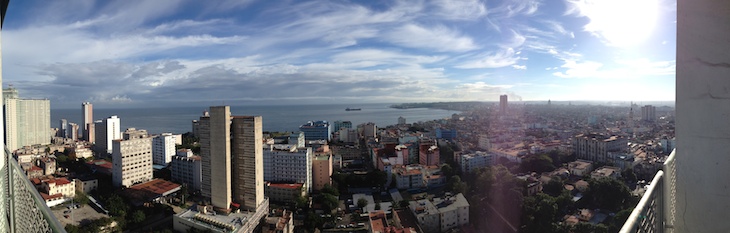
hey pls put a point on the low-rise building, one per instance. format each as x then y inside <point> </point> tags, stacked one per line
<point>61,186</point>
<point>580,167</point>
<point>453,211</point>
<point>280,223</point>
<point>284,193</point>
<point>409,177</point>
<point>48,165</point>
<point>473,161</point>
<point>86,184</point>
<point>427,215</point>
<point>606,171</point>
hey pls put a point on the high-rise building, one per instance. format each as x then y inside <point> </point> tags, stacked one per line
<point>401,120</point>
<point>87,121</point>
<point>63,128</point>
<point>107,130</point>
<point>231,149</point>
<point>342,124</point>
<point>163,148</point>
<point>73,130</point>
<point>27,121</point>
<point>428,154</point>
<point>503,105</point>
<point>131,161</point>
<point>316,130</point>
<point>648,113</point>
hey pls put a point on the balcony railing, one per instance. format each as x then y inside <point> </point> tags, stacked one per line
<point>656,209</point>
<point>26,211</point>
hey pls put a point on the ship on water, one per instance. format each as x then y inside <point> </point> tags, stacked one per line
<point>353,109</point>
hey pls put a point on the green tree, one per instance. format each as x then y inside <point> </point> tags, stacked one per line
<point>70,228</point>
<point>301,202</point>
<point>537,163</point>
<point>81,198</point>
<point>554,187</point>
<point>117,206</point>
<point>329,189</point>
<point>138,216</point>
<point>361,203</point>
<point>377,178</point>
<point>539,213</point>
<point>456,185</point>
<point>628,175</point>
<point>328,202</point>
<point>608,193</point>
<point>447,170</point>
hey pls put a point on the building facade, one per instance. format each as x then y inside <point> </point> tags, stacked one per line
<point>596,147</point>
<point>289,165</point>
<point>473,161</point>
<point>503,104</point>
<point>321,171</point>
<point>107,130</point>
<point>87,122</point>
<point>163,148</point>
<point>132,161</point>
<point>186,168</point>
<point>648,113</point>
<point>27,121</point>
<point>342,124</point>
<point>316,130</point>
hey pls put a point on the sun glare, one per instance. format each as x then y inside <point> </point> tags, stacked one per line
<point>621,23</point>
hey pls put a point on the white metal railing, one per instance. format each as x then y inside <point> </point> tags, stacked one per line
<point>656,210</point>
<point>26,209</point>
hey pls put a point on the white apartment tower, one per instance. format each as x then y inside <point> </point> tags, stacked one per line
<point>87,122</point>
<point>27,121</point>
<point>132,161</point>
<point>107,130</point>
<point>185,168</point>
<point>289,165</point>
<point>231,150</point>
<point>163,148</point>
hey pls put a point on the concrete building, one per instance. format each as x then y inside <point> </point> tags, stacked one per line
<point>595,147</point>
<point>503,105</point>
<point>297,140</point>
<point>606,172</point>
<point>453,211</point>
<point>61,186</point>
<point>648,113</point>
<point>73,131</point>
<point>369,130</point>
<point>132,161</point>
<point>87,122</point>
<point>81,152</point>
<point>231,150</point>
<point>580,167</point>
<point>133,133</point>
<point>63,130</point>
<point>348,135</point>
<point>196,128</point>
<point>448,134</point>
<point>27,121</point>
<point>283,223</point>
<point>342,124</point>
<point>284,192</point>
<point>409,177</point>
<point>321,171</point>
<point>427,215</point>
<point>86,184</point>
<point>163,148</point>
<point>106,131</point>
<point>186,168</point>
<point>287,164</point>
<point>473,161</point>
<point>428,154</point>
<point>316,130</point>
<point>401,120</point>
<point>48,165</point>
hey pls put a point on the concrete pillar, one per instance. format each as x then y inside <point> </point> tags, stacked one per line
<point>703,116</point>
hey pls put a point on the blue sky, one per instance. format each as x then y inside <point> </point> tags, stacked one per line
<point>168,53</point>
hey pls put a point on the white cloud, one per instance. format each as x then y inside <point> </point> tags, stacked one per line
<point>460,9</point>
<point>438,38</point>
<point>575,69</point>
<point>637,68</point>
<point>519,67</point>
<point>501,58</point>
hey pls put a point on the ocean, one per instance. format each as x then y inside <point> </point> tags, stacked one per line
<point>275,118</point>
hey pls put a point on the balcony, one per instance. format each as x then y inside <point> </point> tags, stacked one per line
<point>657,208</point>
<point>25,211</point>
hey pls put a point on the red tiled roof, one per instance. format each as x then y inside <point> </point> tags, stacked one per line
<point>156,186</point>
<point>286,186</point>
<point>59,181</point>
<point>34,168</point>
<point>51,197</point>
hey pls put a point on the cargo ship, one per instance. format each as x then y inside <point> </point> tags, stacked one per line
<point>353,109</point>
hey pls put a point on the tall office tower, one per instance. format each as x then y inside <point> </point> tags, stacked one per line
<point>163,148</point>
<point>73,131</point>
<point>248,161</point>
<point>87,114</point>
<point>107,130</point>
<point>132,161</point>
<point>231,150</point>
<point>27,121</point>
<point>503,104</point>
<point>215,151</point>
<point>648,113</point>
<point>63,128</point>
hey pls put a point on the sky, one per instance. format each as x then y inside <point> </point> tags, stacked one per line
<point>238,52</point>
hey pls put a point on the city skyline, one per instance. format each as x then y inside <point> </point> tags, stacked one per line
<point>167,53</point>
